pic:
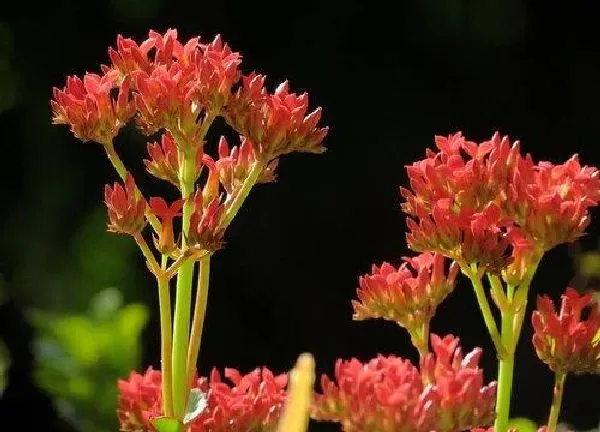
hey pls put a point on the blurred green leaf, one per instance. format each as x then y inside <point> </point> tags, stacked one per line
<point>80,357</point>
<point>197,403</point>
<point>522,424</point>
<point>167,424</point>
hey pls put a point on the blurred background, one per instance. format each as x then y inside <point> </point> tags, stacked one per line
<point>77,309</point>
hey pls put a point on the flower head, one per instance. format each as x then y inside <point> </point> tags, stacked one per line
<point>205,223</point>
<point>88,107</point>
<point>164,160</point>
<point>166,213</point>
<point>276,123</point>
<point>139,400</point>
<point>566,341</point>
<point>490,204</point>
<point>251,402</point>
<point>408,295</point>
<point>390,394</point>
<point>125,207</point>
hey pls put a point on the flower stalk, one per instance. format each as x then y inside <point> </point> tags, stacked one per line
<point>559,388</point>
<point>199,316</point>
<point>166,339</point>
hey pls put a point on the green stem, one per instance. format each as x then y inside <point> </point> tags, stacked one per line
<point>166,340</point>
<point>183,297</point>
<point>486,311</point>
<point>420,339</point>
<point>559,386</point>
<point>199,315</point>
<point>119,166</point>
<point>236,202</point>
<point>506,366</point>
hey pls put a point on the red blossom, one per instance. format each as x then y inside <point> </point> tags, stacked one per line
<point>205,230</point>
<point>235,164</point>
<point>164,159</point>
<point>88,107</point>
<point>251,402</point>
<point>139,401</point>
<point>125,207</point>
<point>565,341</point>
<point>466,237</point>
<point>166,213</point>
<point>390,394</point>
<point>276,123</point>
<point>217,70</point>
<point>468,200</point>
<point>408,295</point>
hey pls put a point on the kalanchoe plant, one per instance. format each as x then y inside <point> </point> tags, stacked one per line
<point>484,210</point>
<point>177,89</point>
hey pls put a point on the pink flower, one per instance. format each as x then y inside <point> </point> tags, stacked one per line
<point>565,341</point>
<point>408,295</point>
<point>125,207</point>
<point>164,159</point>
<point>390,394</point>
<point>206,232</point>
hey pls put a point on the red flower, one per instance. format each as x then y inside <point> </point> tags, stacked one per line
<point>164,160</point>
<point>558,202</point>
<point>166,213</point>
<point>88,107</point>
<point>235,164</point>
<point>466,237</point>
<point>459,183</point>
<point>125,207</point>
<point>163,99</point>
<point>566,341</point>
<point>389,393</point>
<point>205,230</point>
<point>277,124</point>
<point>139,401</point>
<point>251,402</point>
<point>217,70</point>
<point>408,295</point>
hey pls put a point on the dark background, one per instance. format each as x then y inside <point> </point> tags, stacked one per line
<point>388,78</point>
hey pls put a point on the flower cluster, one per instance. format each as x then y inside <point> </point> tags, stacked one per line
<point>251,402</point>
<point>488,204</point>
<point>565,341</point>
<point>179,88</point>
<point>391,394</point>
<point>408,295</point>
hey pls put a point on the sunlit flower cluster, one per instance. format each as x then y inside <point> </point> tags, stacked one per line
<point>391,394</point>
<point>251,402</point>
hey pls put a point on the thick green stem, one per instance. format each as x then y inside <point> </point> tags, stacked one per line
<point>166,340</point>
<point>237,200</point>
<point>183,298</point>
<point>559,387</point>
<point>486,311</point>
<point>199,315</point>
<point>506,366</point>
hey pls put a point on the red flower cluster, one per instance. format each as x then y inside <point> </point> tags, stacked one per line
<point>88,107</point>
<point>408,295</point>
<point>390,394</point>
<point>125,207</point>
<point>488,204</point>
<point>251,402</point>
<point>566,341</point>
<point>180,88</point>
<point>176,86</point>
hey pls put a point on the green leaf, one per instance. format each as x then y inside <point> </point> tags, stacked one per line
<point>197,403</point>
<point>522,425</point>
<point>167,424</point>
